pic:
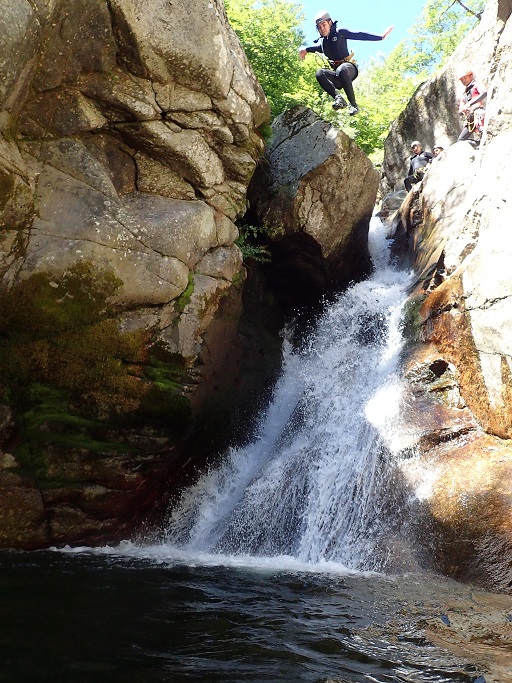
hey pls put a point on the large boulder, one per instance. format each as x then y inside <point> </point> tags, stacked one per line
<point>125,156</point>
<point>459,370</point>
<point>315,191</point>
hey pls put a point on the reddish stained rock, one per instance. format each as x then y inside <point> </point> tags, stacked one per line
<point>471,506</point>
<point>457,239</point>
<point>433,408</point>
<point>447,408</point>
<point>447,324</point>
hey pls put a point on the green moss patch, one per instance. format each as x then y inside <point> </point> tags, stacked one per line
<point>46,422</point>
<point>184,298</point>
<point>412,321</point>
<point>165,399</point>
<point>75,382</point>
<point>58,332</point>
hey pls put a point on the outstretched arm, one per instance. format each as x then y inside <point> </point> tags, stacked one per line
<point>305,50</point>
<point>345,33</point>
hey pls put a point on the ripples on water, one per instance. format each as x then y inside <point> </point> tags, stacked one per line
<point>83,617</point>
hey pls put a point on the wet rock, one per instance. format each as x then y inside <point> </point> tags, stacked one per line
<point>318,189</point>
<point>458,365</point>
<point>125,156</point>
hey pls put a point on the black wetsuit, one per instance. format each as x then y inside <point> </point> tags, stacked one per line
<point>335,48</point>
<point>417,161</point>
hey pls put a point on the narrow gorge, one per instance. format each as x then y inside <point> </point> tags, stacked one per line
<point>218,468</point>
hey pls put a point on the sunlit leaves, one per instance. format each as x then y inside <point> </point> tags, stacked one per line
<point>270,35</point>
<point>441,27</point>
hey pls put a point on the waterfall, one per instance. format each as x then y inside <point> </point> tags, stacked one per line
<point>315,481</point>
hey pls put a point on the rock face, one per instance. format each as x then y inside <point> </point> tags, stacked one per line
<point>431,115</point>
<point>126,148</point>
<point>459,370</point>
<point>317,189</point>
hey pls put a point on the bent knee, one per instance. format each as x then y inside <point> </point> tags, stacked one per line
<point>347,70</point>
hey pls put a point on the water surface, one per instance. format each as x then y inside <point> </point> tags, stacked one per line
<point>115,617</point>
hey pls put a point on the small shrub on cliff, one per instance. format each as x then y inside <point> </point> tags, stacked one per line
<point>252,240</point>
<point>265,131</point>
<point>247,242</point>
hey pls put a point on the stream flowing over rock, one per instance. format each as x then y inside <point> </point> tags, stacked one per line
<point>455,226</point>
<point>127,157</point>
<point>126,150</point>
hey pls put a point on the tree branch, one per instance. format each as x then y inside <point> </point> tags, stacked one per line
<point>478,15</point>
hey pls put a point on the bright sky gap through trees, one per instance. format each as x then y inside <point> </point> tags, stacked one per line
<point>371,16</point>
<point>426,32</point>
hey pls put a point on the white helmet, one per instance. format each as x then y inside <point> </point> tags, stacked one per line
<point>323,15</point>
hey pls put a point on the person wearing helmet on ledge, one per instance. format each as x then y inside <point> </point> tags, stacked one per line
<point>344,70</point>
<point>472,107</point>
<point>419,161</point>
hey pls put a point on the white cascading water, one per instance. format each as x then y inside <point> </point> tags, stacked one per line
<point>312,484</point>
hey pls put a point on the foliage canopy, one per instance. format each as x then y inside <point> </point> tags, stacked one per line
<point>270,33</point>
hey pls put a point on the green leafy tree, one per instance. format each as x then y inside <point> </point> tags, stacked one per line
<point>383,91</point>
<point>441,26</point>
<point>270,33</point>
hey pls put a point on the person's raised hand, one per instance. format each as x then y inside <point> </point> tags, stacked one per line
<point>302,54</point>
<point>387,32</point>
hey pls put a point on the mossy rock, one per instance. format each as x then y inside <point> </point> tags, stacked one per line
<point>412,320</point>
<point>73,379</point>
<point>181,302</point>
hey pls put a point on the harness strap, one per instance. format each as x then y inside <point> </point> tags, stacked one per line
<point>349,58</point>
<point>474,119</point>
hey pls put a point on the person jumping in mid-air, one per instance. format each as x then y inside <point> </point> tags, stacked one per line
<point>344,70</point>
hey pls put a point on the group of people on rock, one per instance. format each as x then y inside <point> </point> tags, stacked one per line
<point>342,71</point>
<point>419,161</point>
<point>472,111</point>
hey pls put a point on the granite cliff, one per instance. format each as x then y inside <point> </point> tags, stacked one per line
<point>125,155</point>
<point>454,230</point>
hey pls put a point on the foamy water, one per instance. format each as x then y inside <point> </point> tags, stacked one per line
<point>311,486</point>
